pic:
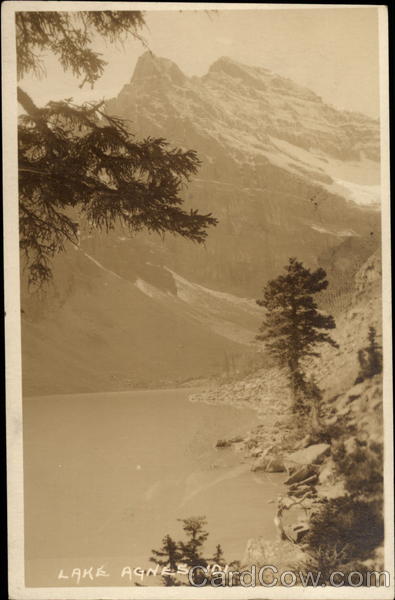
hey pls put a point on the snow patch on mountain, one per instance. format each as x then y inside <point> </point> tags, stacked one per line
<point>364,195</point>
<point>341,234</point>
<point>102,267</point>
<point>189,291</point>
<point>150,290</point>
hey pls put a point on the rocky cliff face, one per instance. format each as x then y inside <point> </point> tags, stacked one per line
<point>338,368</point>
<point>285,174</point>
<point>242,110</point>
<point>280,169</point>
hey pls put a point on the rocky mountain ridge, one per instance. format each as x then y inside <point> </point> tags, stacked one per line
<point>128,311</point>
<point>280,169</point>
<point>274,108</point>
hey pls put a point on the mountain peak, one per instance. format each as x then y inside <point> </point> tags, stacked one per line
<point>259,78</point>
<point>223,62</point>
<point>149,66</point>
<point>252,76</point>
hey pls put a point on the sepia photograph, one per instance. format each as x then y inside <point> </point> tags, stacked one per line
<point>197,300</point>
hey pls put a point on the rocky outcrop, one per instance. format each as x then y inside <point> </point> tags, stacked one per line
<point>314,478</point>
<point>269,462</point>
<point>312,455</point>
<point>337,369</point>
<point>261,552</point>
<point>266,391</point>
<point>345,455</point>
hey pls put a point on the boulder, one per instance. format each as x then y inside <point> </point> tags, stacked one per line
<point>306,441</point>
<point>269,464</point>
<point>299,530</point>
<point>223,444</point>
<point>312,455</point>
<point>238,442</point>
<point>282,554</point>
<point>301,474</point>
<point>256,453</point>
<point>336,490</point>
<point>327,474</point>
<point>303,490</point>
<point>275,465</point>
<point>236,439</point>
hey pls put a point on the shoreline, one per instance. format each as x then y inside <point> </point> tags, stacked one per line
<point>106,392</point>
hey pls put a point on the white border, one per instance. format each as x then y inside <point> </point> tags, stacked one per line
<point>386,291</point>
<point>17,589</point>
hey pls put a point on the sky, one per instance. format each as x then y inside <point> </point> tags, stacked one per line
<point>332,51</point>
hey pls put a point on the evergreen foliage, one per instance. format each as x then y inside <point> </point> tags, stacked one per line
<point>218,557</point>
<point>168,555</point>
<point>78,164</point>
<point>191,550</point>
<point>370,358</point>
<point>361,467</point>
<point>350,526</point>
<point>68,35</point>
<point>313,396</point>
<point>189,553</point>
<point>293,326</point>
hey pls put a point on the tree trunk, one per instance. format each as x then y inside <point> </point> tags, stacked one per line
<point>315,418</point>
<point>296,379</point>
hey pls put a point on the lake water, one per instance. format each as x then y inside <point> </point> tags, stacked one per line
<point>107,476</point>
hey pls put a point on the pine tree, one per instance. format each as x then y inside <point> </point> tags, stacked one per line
<point>191,550</point>
<point>67,35</point>
<point>77,164</point>
<point>218,557</point>
<point>168,556</point>
<point>293,326</point>
<point>370,358</point>
<point>314,398</point>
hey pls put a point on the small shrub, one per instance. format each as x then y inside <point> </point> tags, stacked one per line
<point>361,468</point>
<point>348,526</point>
<point>326,562</point>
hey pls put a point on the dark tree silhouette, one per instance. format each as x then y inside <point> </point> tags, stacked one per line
<point>310,404</point>
<point>191,550</point>
<point>168,556</point>
<point>189,553</point>
<point>370,358</point>
<point>68,35</point>
<point>79,164</point>
<point>293,326</point>
<point>218,556</point>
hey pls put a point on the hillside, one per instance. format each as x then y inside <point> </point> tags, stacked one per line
<point>341,463</point>
<point>267,390</point>
<point>285,174</point>
<point>96,330</point>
